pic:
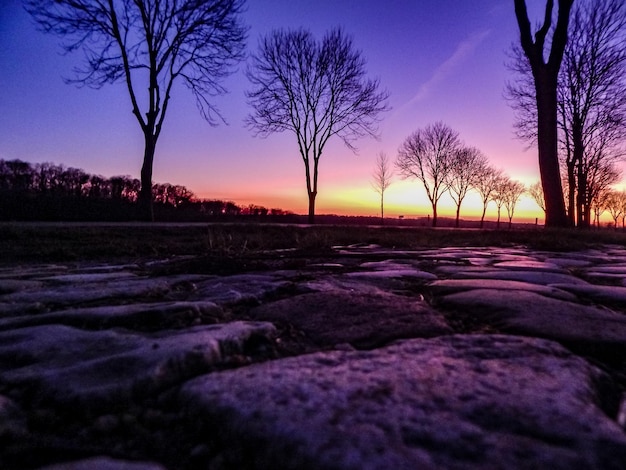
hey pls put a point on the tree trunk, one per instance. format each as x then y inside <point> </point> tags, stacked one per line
<point>458,211</point>
<point>545,76</point>
<point>581,198</point>
<point>434,214</point>
<point>145,194</point>
<point>312,196</point>
<point>482,218</point>
<point>571,192</point>
<point>545,88</point>
<point>382,209</point>
<point>578,152</point>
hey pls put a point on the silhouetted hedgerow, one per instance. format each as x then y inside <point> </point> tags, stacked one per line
<point>48,192</point>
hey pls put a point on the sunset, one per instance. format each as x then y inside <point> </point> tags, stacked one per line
<point>297,234</point>
<point>439,61</point>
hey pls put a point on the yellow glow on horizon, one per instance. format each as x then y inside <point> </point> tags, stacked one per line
<point>403,198</point>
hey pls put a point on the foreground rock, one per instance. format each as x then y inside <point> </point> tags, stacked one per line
<point>105,370</point>
<point>372,358</point>
<point>453,402</point>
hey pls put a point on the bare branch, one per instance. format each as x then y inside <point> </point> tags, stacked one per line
<point>316,90</point>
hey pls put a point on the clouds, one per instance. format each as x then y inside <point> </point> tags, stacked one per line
<point>463,51</point>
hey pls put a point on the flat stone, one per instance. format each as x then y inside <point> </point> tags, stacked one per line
<point>448,286</point>
<point>103,463</point>
<point>532,277</point>
<point>609,269</point>
<point>226,290</point>
<point>532,314</point>
<point>89,277</point>
<point>455,402</point>
<point>393,273</point>
<point>608,294</point>
<point>95,369</point>
<point>569,262</point>
<point>67,295</point>
<point>8,286</point>
<point>160,315</point>
<point>529,265</point>
<point>365,320</point>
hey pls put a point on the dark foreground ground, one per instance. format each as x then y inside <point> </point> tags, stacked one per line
<point>194,346</point>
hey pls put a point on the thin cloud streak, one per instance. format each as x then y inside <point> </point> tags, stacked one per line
<point>464,50</point>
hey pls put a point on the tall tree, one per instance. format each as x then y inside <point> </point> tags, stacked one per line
<point>316,90</point>
<point>592,96</point>
<point>426,155</point>
<point>463,173</point>
<point>149,45</point>
<point>545,75</point>
<point>381,180</point>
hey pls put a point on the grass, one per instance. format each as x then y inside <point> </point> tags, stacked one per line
<point>41,242</point>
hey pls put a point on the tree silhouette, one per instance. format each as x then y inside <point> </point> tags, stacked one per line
<point>536,193</point>
<point>149,46</point>
<point>462,175</point>
<point>315,90</point>
<point>513,190</point>
<point>427,155</point>
<point>487,180</point>
<point>616,204</point>
<point>592,96</point>
<point>382,180</point>
<point>545,76</point>
<point>499,194</point>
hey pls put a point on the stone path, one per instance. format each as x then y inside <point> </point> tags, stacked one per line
<point>468,358</point>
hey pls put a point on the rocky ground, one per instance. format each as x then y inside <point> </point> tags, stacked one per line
<point>367,358</point>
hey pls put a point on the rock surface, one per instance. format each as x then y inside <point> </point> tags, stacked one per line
<point>453,402</point>
<point>372,358</point>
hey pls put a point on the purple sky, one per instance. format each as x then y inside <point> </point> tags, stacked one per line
<point>439,60</point>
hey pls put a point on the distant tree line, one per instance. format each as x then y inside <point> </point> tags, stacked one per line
<point>45,191</point>
<point>436,156</point>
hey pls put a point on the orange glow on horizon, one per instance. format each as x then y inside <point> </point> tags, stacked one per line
<point>403,198</point>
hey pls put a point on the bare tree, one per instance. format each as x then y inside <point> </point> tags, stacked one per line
<point>545,78</point>
<point>382,180</point>
<point>615,204</point>
<point>315,90</point>
<point>462,175</point>
<point>536,193</point>
<point>499,194</point>
<point>599,204</point>
<point>150,45</point>
<point>591,98</point>
<point>427,155</point>
<point>486,183</point>
<point>513,190</point>
<point>592,94</point>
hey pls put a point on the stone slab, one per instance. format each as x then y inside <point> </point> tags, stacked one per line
<point>532,314</point>
<point>365,320</point>
<point>455,402</point>
<point>95,369</point>
<point>448,286</point>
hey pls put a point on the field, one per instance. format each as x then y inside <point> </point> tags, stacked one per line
<point>55,242</point>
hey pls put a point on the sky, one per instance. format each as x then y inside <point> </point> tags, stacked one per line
<point>440,60</point>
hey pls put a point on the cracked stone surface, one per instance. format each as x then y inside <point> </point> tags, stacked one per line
<point>459,357</point>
